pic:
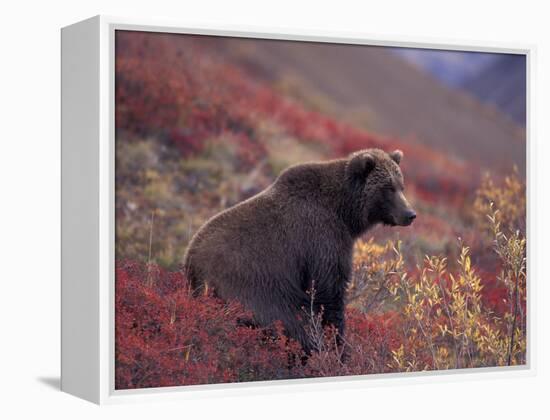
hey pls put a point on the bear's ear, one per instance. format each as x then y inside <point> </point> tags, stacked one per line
<point>361,165</point>
<point>396,156</point>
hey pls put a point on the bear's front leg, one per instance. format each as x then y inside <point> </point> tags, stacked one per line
<point>329,274</point>
<point>328,299</point>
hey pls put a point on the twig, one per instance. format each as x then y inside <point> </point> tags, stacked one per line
<point>514,319</point>
<point>149,278</point>
<point>451,323</point>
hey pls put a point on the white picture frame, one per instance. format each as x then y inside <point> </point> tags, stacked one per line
<point>87,321</point>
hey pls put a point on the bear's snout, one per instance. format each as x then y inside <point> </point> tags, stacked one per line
<point>408,217</point>
<point>403,213</point>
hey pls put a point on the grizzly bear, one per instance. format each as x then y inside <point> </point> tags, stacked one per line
<point>268,251</point>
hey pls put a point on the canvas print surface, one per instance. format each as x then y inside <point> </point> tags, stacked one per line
<point>296,209</point>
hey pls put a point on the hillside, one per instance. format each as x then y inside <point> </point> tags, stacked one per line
<point>387,95</point>
<point>196,133</point>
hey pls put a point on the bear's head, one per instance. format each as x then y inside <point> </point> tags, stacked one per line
<point>378,189</point>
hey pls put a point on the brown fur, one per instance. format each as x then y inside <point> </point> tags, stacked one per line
<point>266,251</point>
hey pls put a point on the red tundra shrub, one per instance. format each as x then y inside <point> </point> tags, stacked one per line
<point>166,337</point>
